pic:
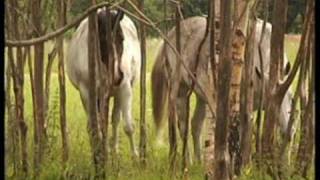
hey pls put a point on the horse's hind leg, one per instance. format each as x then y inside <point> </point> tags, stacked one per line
<point>182,107</point>
<point>197,123</point>
<point>126,108</point>
<point>115,123</point>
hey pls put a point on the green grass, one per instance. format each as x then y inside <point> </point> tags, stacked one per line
<point>121,167</point>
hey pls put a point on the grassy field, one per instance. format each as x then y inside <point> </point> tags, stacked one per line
<point>121,167</point>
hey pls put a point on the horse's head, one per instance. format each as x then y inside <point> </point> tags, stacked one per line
<point>117,39</point>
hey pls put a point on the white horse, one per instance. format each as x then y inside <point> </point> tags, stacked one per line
<point>192,33</point>
<point>128,46</point>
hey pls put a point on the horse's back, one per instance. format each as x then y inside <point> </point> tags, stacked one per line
<point>77,57</point>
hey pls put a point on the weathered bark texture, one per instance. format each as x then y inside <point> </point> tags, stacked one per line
<point>306,144</point>
<point>61,10</point>
<point>276,88</point>
<point>273,101</point>
<point>38,88</point>
<point>174,83</point>
<point>143,127</point>
<point>238,51</point>
<point>246,97</point>
<point>51,57</point>
<point>17,70</point>
<point>13,129</point>
<point>221,155</point>
<point>209,143</point>
<point>261,97</point>
<point>93,127</point>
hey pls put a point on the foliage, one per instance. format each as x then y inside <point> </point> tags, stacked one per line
<point>295,14</point>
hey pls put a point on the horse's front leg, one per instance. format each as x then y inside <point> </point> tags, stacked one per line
<point>115,123</point>
<point>126,108</point>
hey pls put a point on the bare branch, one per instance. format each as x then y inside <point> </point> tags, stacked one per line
<point>308,31</point>
<point>62,29</point>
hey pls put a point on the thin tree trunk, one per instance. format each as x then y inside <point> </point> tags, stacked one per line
<point>238,51</point>
<point>51,57</point>
<point>273,101</point>
<point>262,92</point>
<point>18,91</point>
<point>305,150</point>
<point>14,125</point>
<point>173,92</point>
<point>106,81</point>
<point>300,90</point>
<point>221,161</point>
<point>246,106</point>
<point>209,145</point>
<point>39,89</point>
<point>13,140</point>
<point>95,140</point>
<point>61,10</point>
<point>143,130</point>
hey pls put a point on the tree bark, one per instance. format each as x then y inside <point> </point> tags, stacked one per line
<point>273,101</point>
<point>39,88</point>
<point>143,130</point>
<point>173,92</point>
<point>306,145</point>
<point>262,92</point>
<point>93,129</point>
<point>61,10</point>
<point>238,51</point>
<point>18,79</point>
<point>209,144</point>
<point>221,161</point>
<point>13,130</point>
<point>246,102</point>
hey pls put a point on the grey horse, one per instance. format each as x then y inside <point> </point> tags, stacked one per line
<point>126,69</point>
<point>192,34</point>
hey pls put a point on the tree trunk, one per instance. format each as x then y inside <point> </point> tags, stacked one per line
<point>306,145</point>
<point>209,144</point>
<point>262,92</point>
<point>39,88</point>
<point>51,57</point>
<point>13,130</point>
<point>238,50</point>
<point>61,10</point>
<point>173,92</point>
<point>246,102</point>
<point>273,100</point>
<point>18,79</point>
<point>93,129</point>
<point>143,130</point>
<point>221,161</point>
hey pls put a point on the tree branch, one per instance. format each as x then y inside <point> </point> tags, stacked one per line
<point>283,87</point>
<point>60,30</point>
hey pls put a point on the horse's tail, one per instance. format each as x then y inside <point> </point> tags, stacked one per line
<point>159,90</point>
